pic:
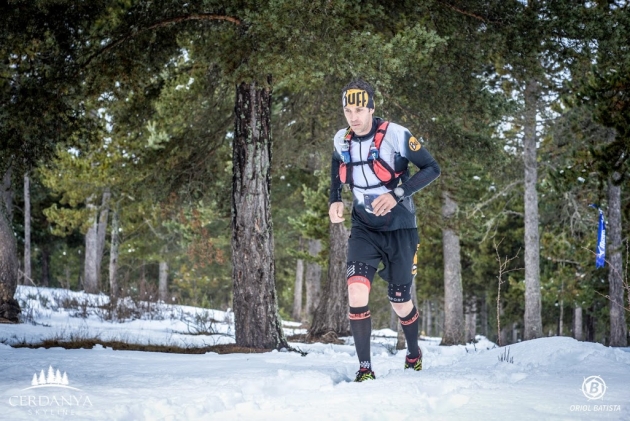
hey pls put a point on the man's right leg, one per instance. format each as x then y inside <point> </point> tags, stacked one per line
<point>360,276</point>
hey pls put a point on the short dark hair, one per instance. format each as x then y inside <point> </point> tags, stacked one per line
<point>359,83</point>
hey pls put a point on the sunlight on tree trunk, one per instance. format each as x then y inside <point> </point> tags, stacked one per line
<point>533,315</point>
<point>94,244</point>
<point>163,281</point>
<point>297,290</point>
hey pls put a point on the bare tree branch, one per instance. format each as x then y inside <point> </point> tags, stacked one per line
<point>161,24</point>
<point>479,206</point>
<point>503,264</point>
<point>470,14</point>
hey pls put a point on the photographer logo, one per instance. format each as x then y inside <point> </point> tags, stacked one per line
<point>594,387</point>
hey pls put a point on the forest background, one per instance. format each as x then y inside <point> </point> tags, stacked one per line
<point>180,152</point>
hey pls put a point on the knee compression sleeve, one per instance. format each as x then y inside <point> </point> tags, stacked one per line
<point>399,293</point>
<point>359,272</point>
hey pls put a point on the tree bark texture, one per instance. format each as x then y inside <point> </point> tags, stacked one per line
<point>255,303</point>
<point>163,281</point>
<point>313,278</point>
<point>618,327</point>
<point>9,261</point>
<point>471,320</point>
<point>6,196</point>
<point>332,312</point>
<point>533,316</point>
<point>102,228</point>
<point>113,255</point>
<point>428,318</point>
<point>297,291</point>
<point>453,294</point>
<point>9,307</point>
<point>95,244</point>
<point>27,228</point>
<point>90,277</point>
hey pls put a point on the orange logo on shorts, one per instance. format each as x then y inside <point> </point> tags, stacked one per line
<point>414,145</point>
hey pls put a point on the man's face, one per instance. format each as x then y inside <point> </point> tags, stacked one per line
<point>359,119</point>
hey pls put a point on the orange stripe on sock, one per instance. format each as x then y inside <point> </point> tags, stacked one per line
<point>410,321</point>
<point>359,316</point>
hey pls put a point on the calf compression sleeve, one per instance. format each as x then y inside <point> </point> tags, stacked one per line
<point>361,326</point>
<point>410,329</point>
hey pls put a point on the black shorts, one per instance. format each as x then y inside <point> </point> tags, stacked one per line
<point>396,249</point>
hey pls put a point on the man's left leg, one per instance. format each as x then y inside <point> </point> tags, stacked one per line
<point>400,270</point>
<point>409,319</point>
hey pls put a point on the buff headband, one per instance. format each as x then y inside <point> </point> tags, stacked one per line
<point>357,98</point>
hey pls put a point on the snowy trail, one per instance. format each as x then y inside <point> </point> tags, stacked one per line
<point>469,383</point>
<point>544,382</point>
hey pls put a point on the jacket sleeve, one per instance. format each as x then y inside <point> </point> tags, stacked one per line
<point>429,170</point>
<point>335,181</point>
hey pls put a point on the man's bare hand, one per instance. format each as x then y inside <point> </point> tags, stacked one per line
<point>336,212</point>
<point>383,204</point>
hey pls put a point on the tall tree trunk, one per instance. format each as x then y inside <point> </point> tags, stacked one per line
<point>453,294</point>
<point>429,319</point>
<point>45,261</point>
<point>313,278</point>
<point>95,243</point>
<point>9,262</point>
<point>618,327</point>
<point>471,320</point>
<point>256,318</point>
<point>332,312</point>
<point>577,323</point>
<point>514,332</point>
<point>90,277</point>
<point>560,318</point>
<point>102,230</point>
<point>143,282</point>
<point>591,322</point>
<point>113,255</point>
<point>163,281</point>
<point>297,290</point>
<point>6,196</point>
<point>483,315</point>
<point>27,228</point>
<point>533,316</point>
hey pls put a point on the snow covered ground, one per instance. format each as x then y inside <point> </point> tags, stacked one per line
<point>554,378</point>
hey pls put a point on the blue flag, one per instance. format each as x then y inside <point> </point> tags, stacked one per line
<point>600,259</point>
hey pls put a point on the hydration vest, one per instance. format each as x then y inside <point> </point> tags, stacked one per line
<point>381,169</point>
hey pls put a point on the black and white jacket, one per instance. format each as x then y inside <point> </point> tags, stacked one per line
<point>398,148</point>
